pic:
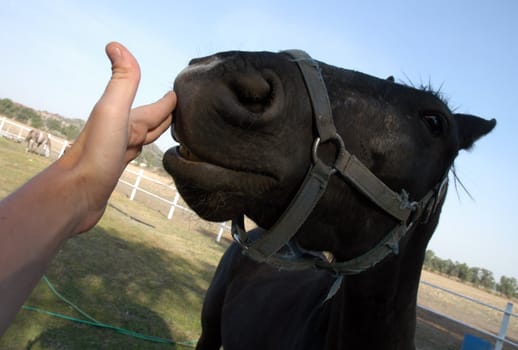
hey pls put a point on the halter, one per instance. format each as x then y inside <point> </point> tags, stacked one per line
<point>267,247</point>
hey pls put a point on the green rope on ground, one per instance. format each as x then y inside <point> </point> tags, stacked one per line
<point>93,322</point>
<point>60,296</point>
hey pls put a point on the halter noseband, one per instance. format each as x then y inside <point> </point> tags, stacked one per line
<point>350,169</point>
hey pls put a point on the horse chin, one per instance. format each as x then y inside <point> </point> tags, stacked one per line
<point>211,206</point>
<point>216,193</point>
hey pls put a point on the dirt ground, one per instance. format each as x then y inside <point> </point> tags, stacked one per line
<point>435,332</point>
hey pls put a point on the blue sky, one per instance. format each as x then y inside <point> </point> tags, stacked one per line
<point>52,58</point>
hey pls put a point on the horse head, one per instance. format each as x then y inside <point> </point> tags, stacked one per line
<point>246,127</point>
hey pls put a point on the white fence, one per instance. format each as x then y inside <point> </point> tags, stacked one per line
<point>507,314</point>
<point>140,183</point>
<point>18,131</point>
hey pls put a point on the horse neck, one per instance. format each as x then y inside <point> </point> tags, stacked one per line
<point>376,309</point>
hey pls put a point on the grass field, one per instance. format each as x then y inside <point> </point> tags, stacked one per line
<point>151,275</point>
<point>126,273</point>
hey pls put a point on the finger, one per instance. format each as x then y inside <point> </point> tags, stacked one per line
<point>121,89</point>
<point>153,114</point>
<point>150,121</point>
<point>155,133</point>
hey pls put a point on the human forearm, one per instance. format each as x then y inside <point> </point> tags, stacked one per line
<point>35,221</point>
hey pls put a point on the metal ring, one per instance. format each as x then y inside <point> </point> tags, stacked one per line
<point>315,149</point>
<point>339,143</point>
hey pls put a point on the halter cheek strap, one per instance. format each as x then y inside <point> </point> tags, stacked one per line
<point>351,170</point>
<point>284,229</point>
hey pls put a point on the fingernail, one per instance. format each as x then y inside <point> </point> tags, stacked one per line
<point>114,51</point>
<point>118,51</point>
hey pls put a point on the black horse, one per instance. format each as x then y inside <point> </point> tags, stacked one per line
<point>344,173</point>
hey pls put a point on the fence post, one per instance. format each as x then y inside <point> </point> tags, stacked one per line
<point>46,149</point>
<point>222,228</point>
<point>63,148</point>
<point>503,328</point>
<point>137,183</point>
<point>20,137</point>
<point>173,206</point>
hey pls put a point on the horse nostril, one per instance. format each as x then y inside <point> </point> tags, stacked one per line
<point>253,91</point>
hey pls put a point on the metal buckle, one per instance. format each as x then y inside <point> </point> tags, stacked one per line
<point>239,233</point>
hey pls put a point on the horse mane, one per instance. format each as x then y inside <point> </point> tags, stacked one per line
<point>429,88</point>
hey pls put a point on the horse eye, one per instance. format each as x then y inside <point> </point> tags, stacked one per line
<point>435,124</point>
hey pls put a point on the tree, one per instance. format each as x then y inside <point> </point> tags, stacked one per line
<point>429,255</point>
<point>53,124</point>
<point>479,277</point>
<point>486,279</point>
<point>22,116</point>
<point>463,271</point>
<point>435,263</point>
<point>451,268</point>
<point>71,132</point>
<point>474,275</point>
<point>431,260</point>
<point>508,286</point>
<point>7,107</point>
<point>36,121</point>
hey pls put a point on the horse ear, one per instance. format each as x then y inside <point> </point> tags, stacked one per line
<point>470,128</point>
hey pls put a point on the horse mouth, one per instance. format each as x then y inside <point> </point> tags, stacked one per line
<point>193,171</point>
<point>186,154</point>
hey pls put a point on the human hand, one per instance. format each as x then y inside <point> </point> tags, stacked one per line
<point>113,135</point>
<point>70,195</point>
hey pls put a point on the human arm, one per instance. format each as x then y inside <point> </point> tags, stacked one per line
<point>70,196</point>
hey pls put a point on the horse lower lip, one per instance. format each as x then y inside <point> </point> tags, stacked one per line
<point>211,177</point>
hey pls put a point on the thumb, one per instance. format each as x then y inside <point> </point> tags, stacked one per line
<point>107,126</point>
<point>125,78</point>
